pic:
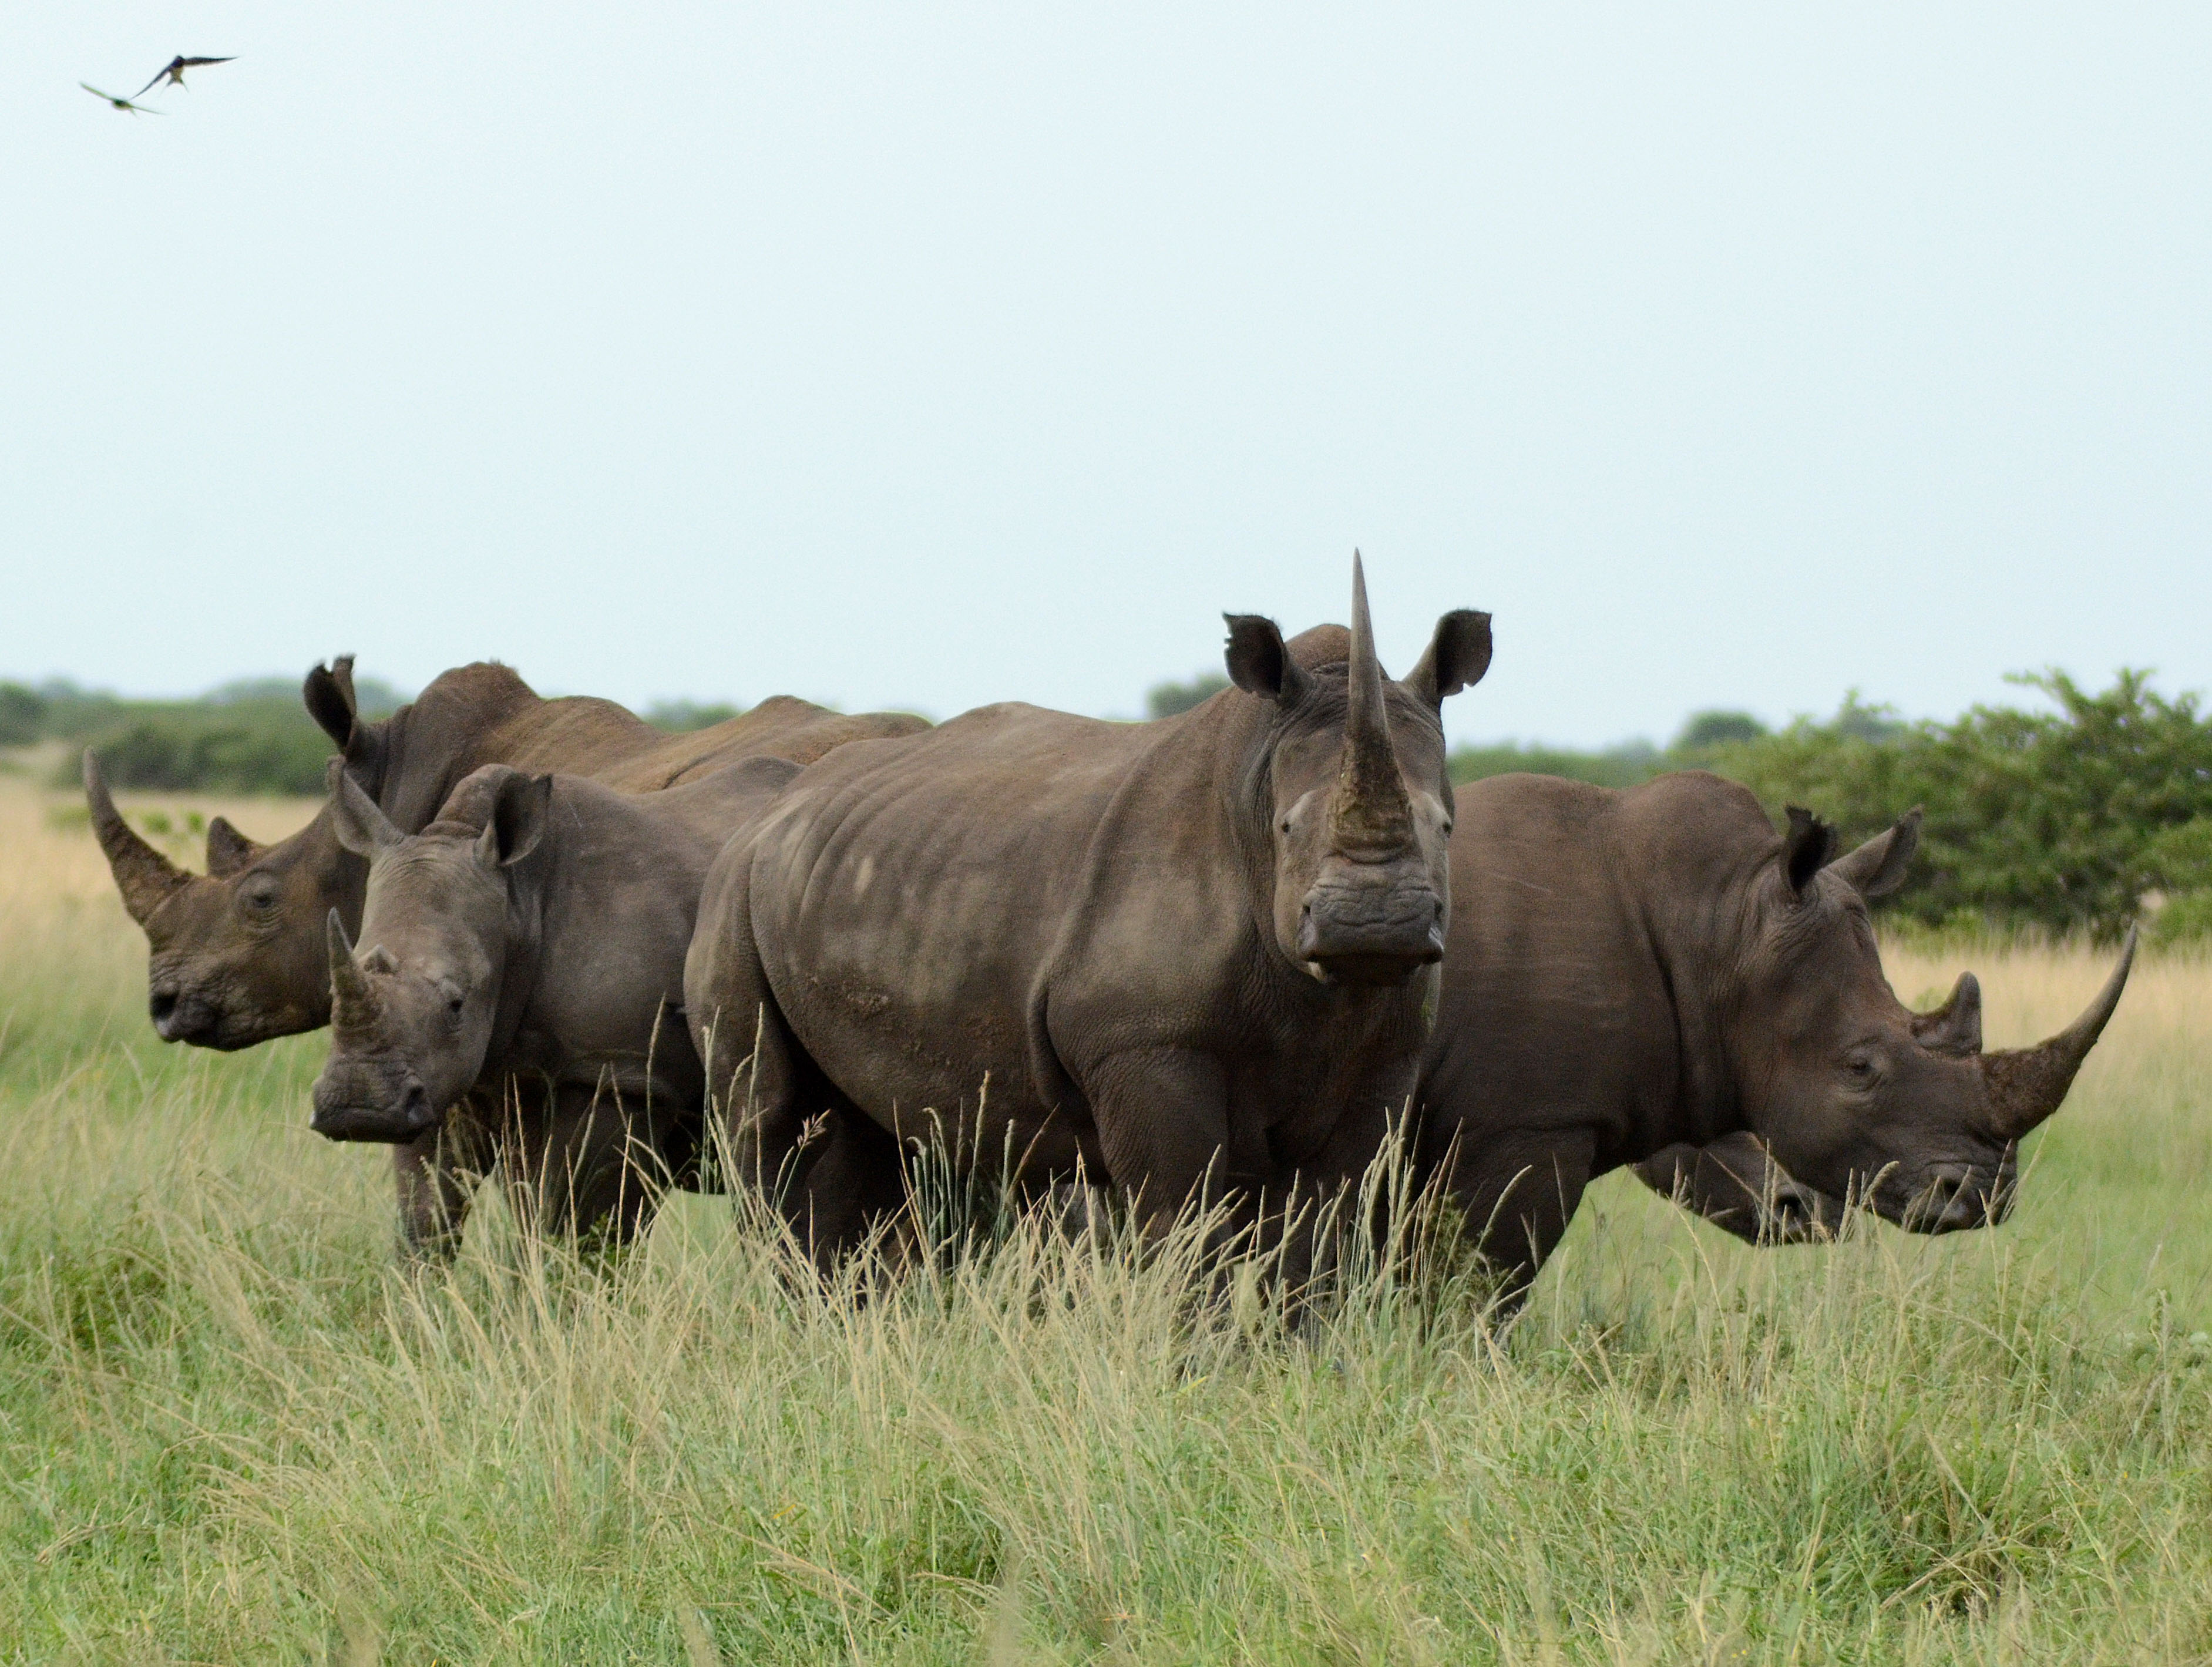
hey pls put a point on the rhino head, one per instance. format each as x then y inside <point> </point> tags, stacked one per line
<point>1855,1093</point>
<point>1352,780</point>
<point>235,955</point>
<point>412,1017</point>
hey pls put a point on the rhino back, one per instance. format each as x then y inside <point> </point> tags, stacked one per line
<point>911,896</point>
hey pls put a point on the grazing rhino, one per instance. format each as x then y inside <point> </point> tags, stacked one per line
<point>1633,969</point>
<point>237,955</point>
<point>1196,952</point>
<point>525,952</point>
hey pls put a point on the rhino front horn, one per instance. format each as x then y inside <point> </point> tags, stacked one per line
<point>2027,1085</point>
<point>146,879</point>
<point>1370,809</point>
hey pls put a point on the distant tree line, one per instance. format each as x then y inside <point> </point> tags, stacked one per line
<point>252,736</point>
<point>2071,820</point>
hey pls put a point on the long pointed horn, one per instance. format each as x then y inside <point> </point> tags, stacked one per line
<point>353,1000</point>
<point>144,877</point>
<point>1369,808</point>
<point>2028,1084</point>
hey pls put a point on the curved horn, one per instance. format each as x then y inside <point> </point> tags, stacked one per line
<point>144,877</point>
<point>2028,1084</point>
<point>353,1000</point>
<point>1369,808</point>
<point>1956,1026</point>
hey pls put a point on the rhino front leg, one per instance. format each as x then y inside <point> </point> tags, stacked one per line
<point>435,1176</point>
<point>577,1165</point>
<point>1163,1120</point>
<point>1517,1195</point>
<point>1734,1183</point>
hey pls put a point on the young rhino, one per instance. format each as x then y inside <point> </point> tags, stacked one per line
<point>525,953</point>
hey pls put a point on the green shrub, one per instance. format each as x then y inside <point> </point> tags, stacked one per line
<point>1165,700</point>
<point>1622,766</point>
<point>2048,821</point>
<point>681,715</point>
<point>20,712</point>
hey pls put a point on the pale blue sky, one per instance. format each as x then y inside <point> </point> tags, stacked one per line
<point>1731,354</point>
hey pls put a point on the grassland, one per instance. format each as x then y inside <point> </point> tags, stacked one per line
<point>230,1433</point>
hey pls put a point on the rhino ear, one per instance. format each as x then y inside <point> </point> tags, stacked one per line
<point>1258,662</point>
<point>329,695</point>
<point>358,820</point>
<point>1806,848</point>
<point>1879,866</point>
<point>1457,656</point>
<point>518,819</point>
<point>228,850</point>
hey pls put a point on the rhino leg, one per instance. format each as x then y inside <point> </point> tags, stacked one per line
<point>1517,1195</point>
<point>1163,1121</point>
<point>576,1165</point>
<point>831,1171</point>
<point>1735,1185</point>
<point>435,1176</point>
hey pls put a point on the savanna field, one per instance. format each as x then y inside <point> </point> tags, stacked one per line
<point>231,1431</point>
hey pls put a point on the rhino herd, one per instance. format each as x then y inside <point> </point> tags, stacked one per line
<point>1210,957</point>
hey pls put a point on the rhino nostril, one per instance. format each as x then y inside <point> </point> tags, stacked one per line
<point>416,1104</point>
<point>162,1004</point>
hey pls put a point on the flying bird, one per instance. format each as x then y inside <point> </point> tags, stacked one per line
<point>120,103</point>
<point>174,70</point>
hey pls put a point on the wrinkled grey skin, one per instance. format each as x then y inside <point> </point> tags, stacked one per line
<point>525,950</point>
<point>1193,955</point>
<point>238,954</point>
<point>1639,970</point>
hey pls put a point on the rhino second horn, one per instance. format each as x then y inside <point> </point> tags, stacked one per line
<point>1370,809</point>
<point>1956,1026</point>
<point>2027,1085</point>
<point>353,1002</point>
<point>145,878</point>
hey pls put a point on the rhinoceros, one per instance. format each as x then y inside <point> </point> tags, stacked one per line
<point>525,950</point>
<point>1195,956</point>
<point>237,955</point>
<point>1635,974</point>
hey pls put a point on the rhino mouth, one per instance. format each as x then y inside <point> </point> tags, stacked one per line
<point>1371,935</point>
<point>189,1018</point>
<point>340,1117</point>
<point>1957,1198</point>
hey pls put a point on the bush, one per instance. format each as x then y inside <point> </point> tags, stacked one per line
<point>250,736</point>
<point>1622,766</point>
<point>21,713</point>
<point>248,747</point>
<point>679,716</point>
<point>1165,700</point>
<point>2052,821</point>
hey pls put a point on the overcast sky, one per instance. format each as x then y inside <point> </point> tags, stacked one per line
<point>1731,355</point>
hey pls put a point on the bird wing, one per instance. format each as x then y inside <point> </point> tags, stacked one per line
<point>148,86</point>
<point>190,63</point>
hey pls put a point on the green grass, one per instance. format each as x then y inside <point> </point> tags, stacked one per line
<point>229,1432</point>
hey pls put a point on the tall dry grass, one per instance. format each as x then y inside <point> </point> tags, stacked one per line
<point>230,1432</point>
